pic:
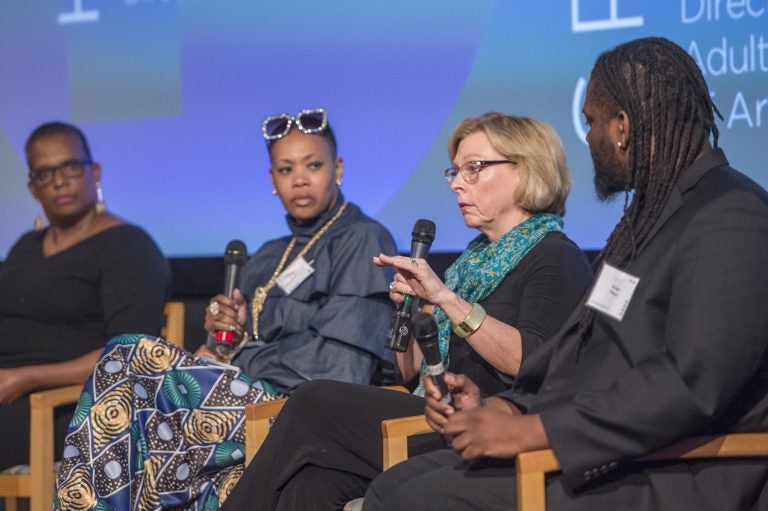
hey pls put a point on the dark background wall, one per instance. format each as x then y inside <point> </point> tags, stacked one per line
<point>195,280</point>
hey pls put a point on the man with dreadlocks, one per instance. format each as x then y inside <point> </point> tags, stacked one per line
<point>671,341</point>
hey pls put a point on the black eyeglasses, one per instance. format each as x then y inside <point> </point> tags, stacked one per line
<point>470,169</point>
<point>309,121</point>
<point>70,169</point>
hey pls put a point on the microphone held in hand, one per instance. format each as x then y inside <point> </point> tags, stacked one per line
<point>421,240</point>
<point>425,333</point>
<point>234,258</point>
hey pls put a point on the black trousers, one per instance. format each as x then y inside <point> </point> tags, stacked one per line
<point>442,481</point>
<point>324,448</point>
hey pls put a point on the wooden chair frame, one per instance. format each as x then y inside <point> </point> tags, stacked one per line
<point>395,433</point>
<point>532,467</point>
<point>259,418</point>
<point>38,484</point>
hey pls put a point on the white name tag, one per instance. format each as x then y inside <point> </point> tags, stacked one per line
<point>296,273</point>
<point>612,291</point>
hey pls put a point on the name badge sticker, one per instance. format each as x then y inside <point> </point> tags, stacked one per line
<point>612,292</point>
<point>296,273</point>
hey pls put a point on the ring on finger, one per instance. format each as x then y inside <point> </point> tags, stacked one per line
<point>214,308</point>
<point>391,285</point>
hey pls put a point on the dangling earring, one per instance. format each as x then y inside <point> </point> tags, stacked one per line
<point>274,191</point>
<point>39,222</point>
<point>101,206</point>
<point>338,182</point>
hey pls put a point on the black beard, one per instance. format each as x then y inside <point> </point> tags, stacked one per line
<point>610,174</point>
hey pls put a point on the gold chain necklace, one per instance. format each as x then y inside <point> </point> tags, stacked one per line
<point>260,294</point>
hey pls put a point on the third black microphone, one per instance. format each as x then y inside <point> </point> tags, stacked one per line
<point>421,240</point>
<point>425,333</point>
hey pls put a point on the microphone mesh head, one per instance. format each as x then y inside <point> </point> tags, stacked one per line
<point>423,325</point>
<point>236,253</point>
<point>424,231</point>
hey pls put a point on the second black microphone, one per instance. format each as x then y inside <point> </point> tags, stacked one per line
<point>421,240</point>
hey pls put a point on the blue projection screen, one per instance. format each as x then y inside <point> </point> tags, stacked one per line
<point>171,94</point>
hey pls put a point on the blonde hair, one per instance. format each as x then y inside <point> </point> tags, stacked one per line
<point>538,151</point>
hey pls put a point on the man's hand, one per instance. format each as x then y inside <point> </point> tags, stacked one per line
<point>465,395</point>
<point>494,431</point>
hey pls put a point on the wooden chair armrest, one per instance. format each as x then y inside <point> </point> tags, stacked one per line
<point>395,433</point>
<point>257,422</point>
<point>732,445</point>
<point>51,398</point>
<point>532,467</point>
<point>396,388</point>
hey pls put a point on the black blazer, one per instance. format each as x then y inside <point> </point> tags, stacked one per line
<point>689,357</point>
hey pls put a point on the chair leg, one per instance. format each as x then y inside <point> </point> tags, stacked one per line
<point>42,474</point>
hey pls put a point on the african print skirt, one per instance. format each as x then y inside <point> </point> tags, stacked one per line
<point>156,427</point>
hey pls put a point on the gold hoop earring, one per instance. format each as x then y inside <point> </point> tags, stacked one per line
<point>101,206</point>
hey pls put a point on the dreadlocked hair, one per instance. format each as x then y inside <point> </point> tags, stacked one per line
<point>672,116</point>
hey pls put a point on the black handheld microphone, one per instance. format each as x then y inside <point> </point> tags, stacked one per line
<point>234,258</point>
<point>425,332</point>
<point>422,236</point>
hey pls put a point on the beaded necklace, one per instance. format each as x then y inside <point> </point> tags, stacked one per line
<point>260,294</point>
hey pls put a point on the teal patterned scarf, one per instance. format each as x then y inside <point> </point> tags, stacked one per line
<point>483,265</point>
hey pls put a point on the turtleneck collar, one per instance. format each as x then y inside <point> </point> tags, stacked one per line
<point>306,230</point>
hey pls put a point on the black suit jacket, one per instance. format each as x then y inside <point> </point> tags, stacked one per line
<point>689,357</point>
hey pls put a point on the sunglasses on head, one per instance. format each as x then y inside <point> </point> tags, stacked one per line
<point>313,120</point>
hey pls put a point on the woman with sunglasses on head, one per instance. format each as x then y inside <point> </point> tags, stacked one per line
<point>169,429</point>
<point>333,325</point>
<point>507,293</point>
<point>69,286</point>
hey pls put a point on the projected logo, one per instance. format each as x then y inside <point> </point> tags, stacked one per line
<point>612,22</point>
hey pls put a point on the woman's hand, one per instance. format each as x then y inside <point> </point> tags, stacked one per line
<point>230,314</point>
<point>204,352</point>
<point>414,277</point>
<point>14,384</point>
